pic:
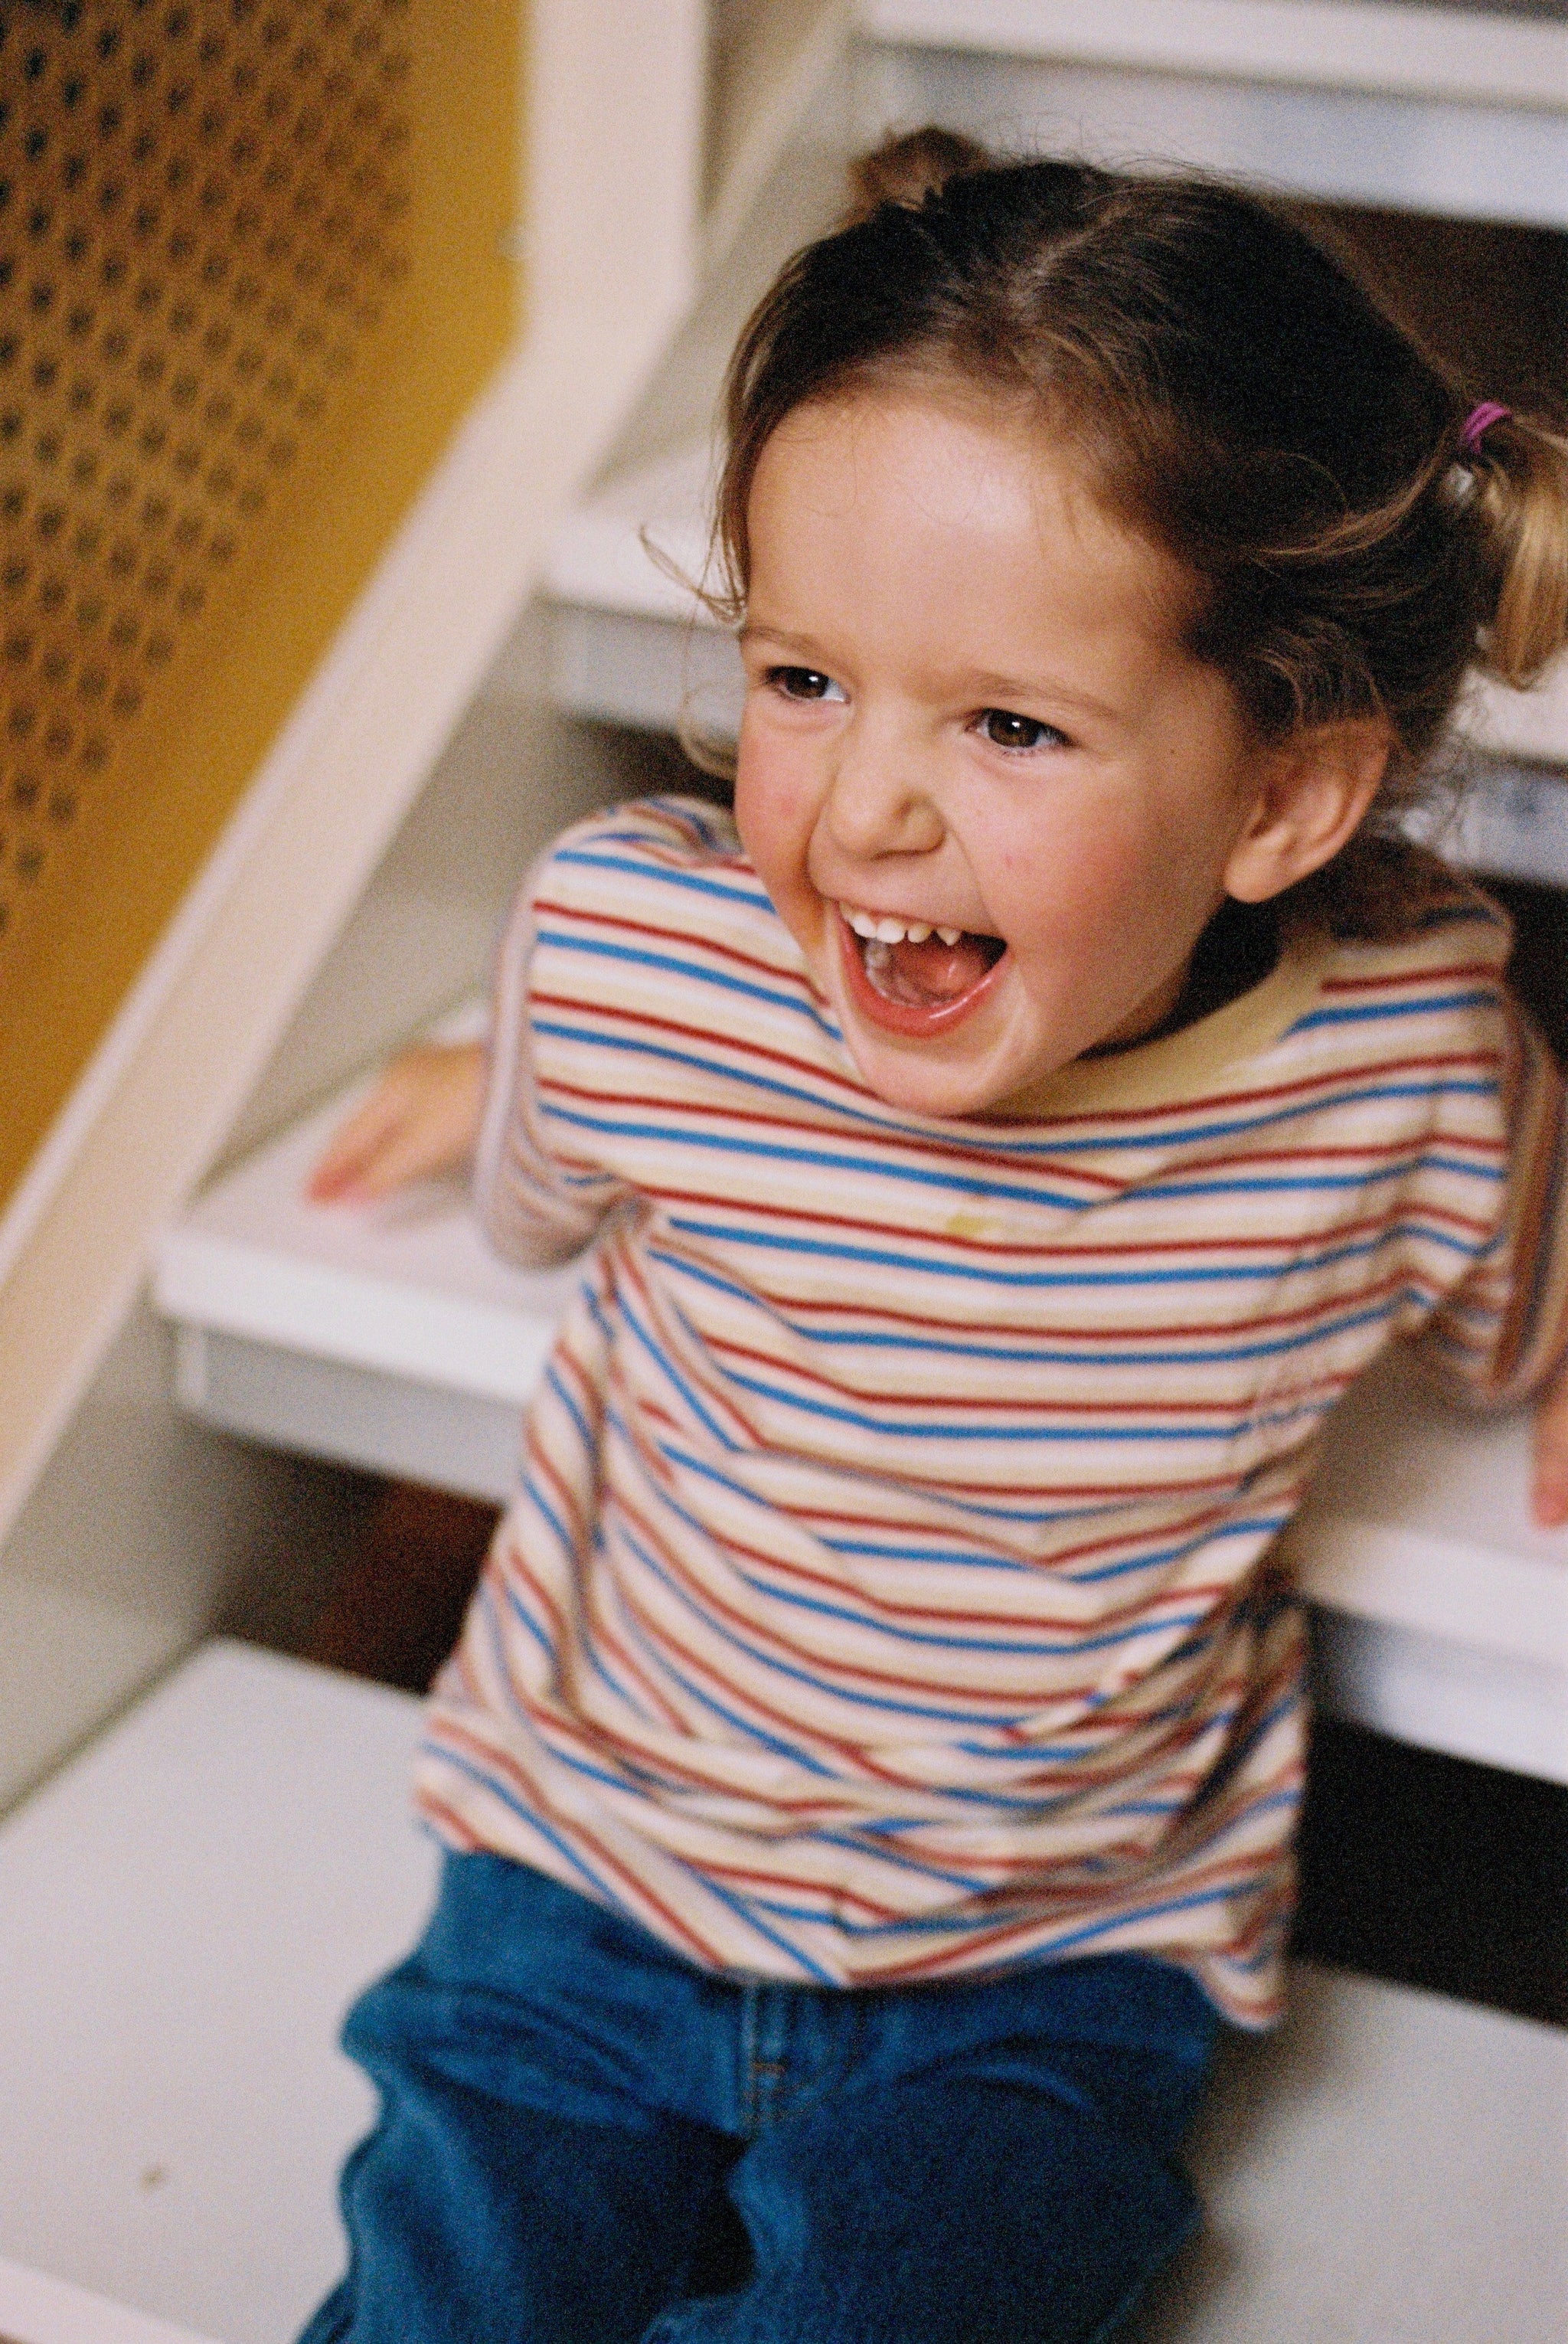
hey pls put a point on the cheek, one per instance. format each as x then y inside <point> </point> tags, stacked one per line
<point>774,808</point>
<point>1087,876</point>
<point>1103,904</point>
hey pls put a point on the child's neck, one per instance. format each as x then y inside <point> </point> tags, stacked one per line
<point>1236,950</point>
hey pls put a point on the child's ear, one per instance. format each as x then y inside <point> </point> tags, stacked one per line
<point>1315,789</point>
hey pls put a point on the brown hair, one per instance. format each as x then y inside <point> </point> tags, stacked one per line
<point>1238,398</point>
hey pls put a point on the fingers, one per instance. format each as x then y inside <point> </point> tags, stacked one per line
<point>421,1119</point>
<point>352,1151</point>
<point>1549,1492</point>
<point>384,1161</point>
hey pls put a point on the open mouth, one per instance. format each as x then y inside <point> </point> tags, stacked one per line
<point>914,977</point>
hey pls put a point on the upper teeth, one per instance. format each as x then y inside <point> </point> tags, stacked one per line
<point>882,927</point>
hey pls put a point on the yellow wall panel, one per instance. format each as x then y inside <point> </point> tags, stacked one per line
<point>253,267</point>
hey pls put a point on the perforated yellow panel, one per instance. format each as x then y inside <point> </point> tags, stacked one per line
<point>251,269</point>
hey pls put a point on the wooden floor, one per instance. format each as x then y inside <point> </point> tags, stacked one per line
<point>1421,1869</point>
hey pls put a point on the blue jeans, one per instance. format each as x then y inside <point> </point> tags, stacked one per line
<point>585,2139</point>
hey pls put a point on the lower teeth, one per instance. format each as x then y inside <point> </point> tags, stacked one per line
<point>881,965</point>
<point>879,959</point>
<point>924,975</point>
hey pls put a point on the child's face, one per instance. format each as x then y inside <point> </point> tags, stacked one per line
<point>968,709</point>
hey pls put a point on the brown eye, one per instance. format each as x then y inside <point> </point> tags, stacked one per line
<point>1003,730</point>
<point>803,683</point>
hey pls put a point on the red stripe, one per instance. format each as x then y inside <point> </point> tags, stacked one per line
<point>876,1145</point>
<point>1159,1883</point>
<point>1482,972</point>
<point>1036,1622</point>
<point>639,1895</point>
<point>833,1672</point>
<point>1154,1250</point>
<point>1047,1408</point>
<point>700,948</point>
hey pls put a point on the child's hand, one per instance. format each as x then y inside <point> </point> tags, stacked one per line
<point>1549,1492</point>
<point>422,1118</point>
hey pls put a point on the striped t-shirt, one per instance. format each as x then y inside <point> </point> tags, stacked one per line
<point>888,1595</point>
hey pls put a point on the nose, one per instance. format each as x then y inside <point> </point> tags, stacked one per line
<point>878,802</point>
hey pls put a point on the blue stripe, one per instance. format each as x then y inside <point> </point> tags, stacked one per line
<point>819,1159</point>
<point>1238,1752</point>
<point>533,1494</point>
<point>1248,1526</point>
<point>776,1667</point>
<point>1474,997</point>
<point>1307,1183</point>
<point>969,1558</point>
<point>881,1257</point>
<point>700,1529</point>
<point>659,1659</point>
<point>437,1750</point>
<point>638,1776</point>
<point>743,1907</point>
<point>863,1842</point>
<point>1325,1102</point>
<point>1020,1647</point>
<point>707,1471</point>
<point>1034,1517</point>
<point>668,965</point>
<point>884,1125</point>
<point>1232,1429</point>
<point>498,1651</point>
<point>755,899</point>
<point>656,1353</point>
<point>554,1382</point>
<point>1092,1353</point>
<point>960,1925</point>
<point>996,1140</point>
<point>715,829</point>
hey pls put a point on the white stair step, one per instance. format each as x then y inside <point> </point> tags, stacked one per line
<point>186,1912</point>
<point>38,2309</point>
<point>1458,112</point>
<point>187,1908</point>
<point>1392,2168</point>
<point>393,1339</point>
<point>1483,55</point>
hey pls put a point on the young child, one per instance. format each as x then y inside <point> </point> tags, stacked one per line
<point>871,1757</point>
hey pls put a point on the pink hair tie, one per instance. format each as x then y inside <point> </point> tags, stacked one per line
<point>1479,421</point>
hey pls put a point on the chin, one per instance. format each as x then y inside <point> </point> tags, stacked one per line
<point>918,1082</point>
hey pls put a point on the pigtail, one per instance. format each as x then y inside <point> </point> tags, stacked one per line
<point>905,170</point>
<point>1517,491</point>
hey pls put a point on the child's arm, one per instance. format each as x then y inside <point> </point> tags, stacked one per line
<point>1550,1489</point>
<point>1500,1337</point>
<point>421,1119</point>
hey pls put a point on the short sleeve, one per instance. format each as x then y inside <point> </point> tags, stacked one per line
<point>535,1208</point>
<point>1499,1331</point>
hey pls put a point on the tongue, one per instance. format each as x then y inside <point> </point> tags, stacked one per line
<point>921,975</point>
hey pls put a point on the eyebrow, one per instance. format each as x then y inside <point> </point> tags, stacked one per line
<point>780,635</point>
<point>1003,690</point>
